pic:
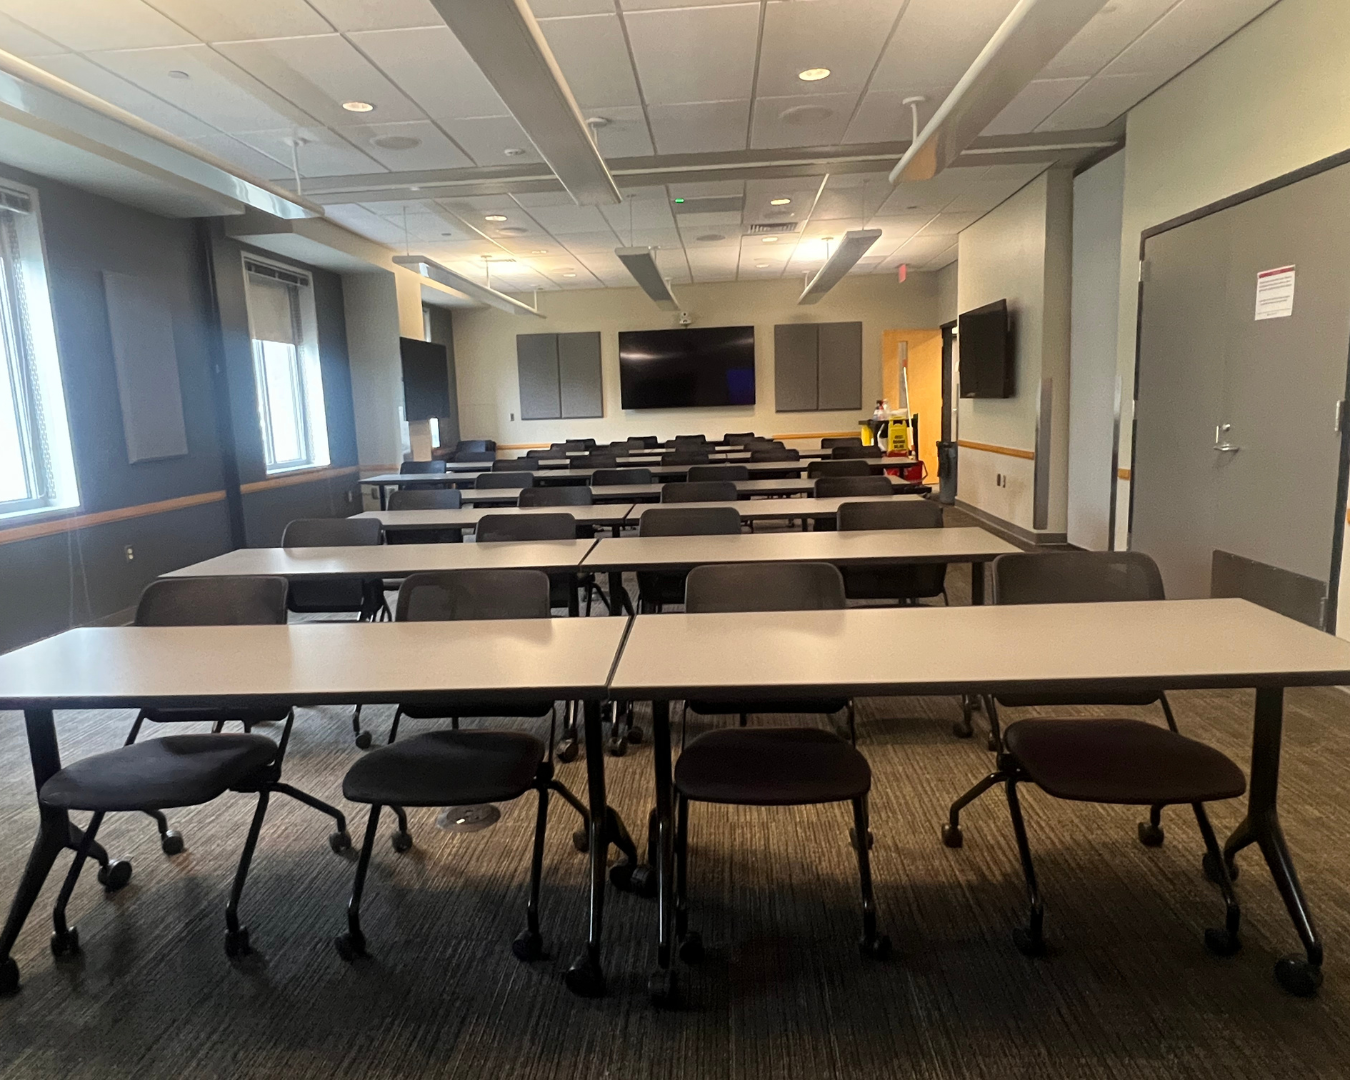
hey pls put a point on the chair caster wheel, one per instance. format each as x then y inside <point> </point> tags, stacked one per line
<point>566,750</point>
<point>171,843</point>
<point>616,747</point>
<point>349,948</point>
<point>67,944</point>
<point>1150,835</point>
<point>661,988</point>
<point>236,943</point>
<point>9,977</point>
<point>115,875</point>
<point>528,946</point>
<point>1222,942</point>
<point>952,835</point>
<point>636,734</point>
<point>994,744</point>
<point>853,839</point>
<point>1211,868</point>
<point>876,947</point>
<point>1298,976</point>
<point>401,841</point>
<point>691,947</point>
<point>1028,942</point>
<point>363,740</point>
<point>340,842</point>
<point>581,840</point>
<point>637,879</point>
<point>963,729</point>
<point>585,979</point>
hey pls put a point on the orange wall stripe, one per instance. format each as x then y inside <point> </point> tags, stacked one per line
<point>819,435</point>
<point>1006,451</point>
<point>73,522</point>
<point>1123,474</point>
<point>302,476</point>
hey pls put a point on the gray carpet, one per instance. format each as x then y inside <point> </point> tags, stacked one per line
<point>1127,990</point>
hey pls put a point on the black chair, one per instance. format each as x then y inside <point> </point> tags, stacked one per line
<point>558,495</point>
<point>476,445</point>
<point>816,469</point>
<point>851,451</point>
<point>699,473</point>
<point>904,584</point>
<point>596,461</point>
<point>658,588</point>
<point>537,453</point>
<point>847,440</point>
<point>699,491</point>
<point>475,455</point>
<point>613,477</point>
<point>454,767</point>
<point>685,457</point>
<point>185,770</point>
<point>426,499</point>
<point>1113,761</point>
<point>574,446</point>
<point>690,440</point>
<point>775,453</point>
<point>499,528</point>
<point>770,766</point>
<point>525,464</point>
<point>421,468</point>
<point>513,478</point>
<point>649,442</point>
<point>842,487</point>
<point>738,438</point>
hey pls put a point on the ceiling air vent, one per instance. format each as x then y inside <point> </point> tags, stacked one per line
<point>771,227</point>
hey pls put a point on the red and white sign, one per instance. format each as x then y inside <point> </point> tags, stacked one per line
<point>1275,293</point>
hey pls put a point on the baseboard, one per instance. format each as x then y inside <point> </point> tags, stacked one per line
<point>1014,533</point>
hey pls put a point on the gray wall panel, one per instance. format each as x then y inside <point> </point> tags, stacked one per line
<point>795,379</point>
<point>579,378</point>
<point>537,365</point>
<point>146,362</point>
<point>839,378</point>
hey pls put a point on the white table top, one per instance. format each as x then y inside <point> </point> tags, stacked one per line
<point>467,517</point>
<point>880,546</point>
<point>391,560</point>
<point>757,509</point>
<point>633,492</point>
<point>1164,644</point>
<point>312,663</point>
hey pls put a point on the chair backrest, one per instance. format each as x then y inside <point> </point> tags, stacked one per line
<point>417,468</point>
<point>1076,577</point>
<point>475,455</point>
<point>560,495</point>
<point>213,601</point>
<point>453,595</point>
<point>525,464</point>
<point>537,453</point>
<point>610,477</point>
<point>426,499</point>
<point>775,453</point>
<point>890,514</point>
<point>515,478</point>
<point>848,440</point>
<point>650,442</point>
<point>596,461</point>
<point>497,527</point>
<point>685,457</point>
<point>476,444</point>
<point>738,438</point>
<point>781,586</point>
<point>587,444</point>
<point>858,451</point>
<point>690,440</point>
<point>574,445</point>
<point>837,468</point>
<point>699,491</point>
<point>718,472</point>
<point>690,521</point>
<point>834,487</point>
<point>331,532</point>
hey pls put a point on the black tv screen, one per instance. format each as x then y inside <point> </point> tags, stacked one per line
<point>426,379</point>
<point>986,352</point>
<point>692,367</point>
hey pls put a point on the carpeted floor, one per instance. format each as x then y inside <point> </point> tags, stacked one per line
<point>1127,990</point>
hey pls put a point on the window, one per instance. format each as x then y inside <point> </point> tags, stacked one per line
<point>37,468</point>
<point>286,369</point>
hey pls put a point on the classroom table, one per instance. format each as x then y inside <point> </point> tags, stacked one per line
<point>779,509</point>
<point>1156,645</point>
<point>506,661</point>
<point>605,515</point>
<point>392,560</point>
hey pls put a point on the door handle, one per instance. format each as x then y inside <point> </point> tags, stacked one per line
<point>1226,448</point>
<point>1222,446</point>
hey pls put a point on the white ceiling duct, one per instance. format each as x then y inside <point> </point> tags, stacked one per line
<point>1030,37</point>
<point>506,43</point>
<point>443,275</point>
<point>851,248</point>
<point>641,263</point>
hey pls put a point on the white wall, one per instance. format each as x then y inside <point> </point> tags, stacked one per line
<point>485,354</point>
<point>1020,252</point>
<point>1098,201</point>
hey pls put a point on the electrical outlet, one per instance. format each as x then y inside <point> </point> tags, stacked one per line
<point>129,552</point>
<point>513,416</point>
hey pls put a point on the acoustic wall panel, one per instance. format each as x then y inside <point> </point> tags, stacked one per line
<point>146,363</point>
<point>795,367</point>
<point>579,381</point>
<point>839,356</point>
<point>426,379</point>
<point>537,364</point>
<point>817,366</point>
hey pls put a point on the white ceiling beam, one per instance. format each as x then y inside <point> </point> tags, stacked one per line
<point>506,43</point>
<point>641,263</point>
<point>443,275</point>
<point>851,248</point>
<point>1030,37</point>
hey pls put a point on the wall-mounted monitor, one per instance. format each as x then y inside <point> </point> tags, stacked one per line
<point>426,379</point>
<point>987,363</point>
<point>693,367</point>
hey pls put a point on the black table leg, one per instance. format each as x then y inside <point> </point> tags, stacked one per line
<point>586,976</point>
<point>384,497</point>
<point>977,583</point>
<point>1300,975</point>
<point>661,983</point>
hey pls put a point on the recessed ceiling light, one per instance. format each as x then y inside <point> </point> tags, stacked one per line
<point>396,142</point>
<point>813,74</point>
<point>539,251</point>
<point>179,75</point>
<point>779,202</point>
<point>761,266</point>
<point>514,151</point>
<point>569,275</point>
<point>358,106</point>
<point>769,239</point>
<point>494,217</point>
<point>512,230</point>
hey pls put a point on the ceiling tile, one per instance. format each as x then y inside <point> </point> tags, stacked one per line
<point>394,208</point>
<point>1105,36</point>
<point>360,220</point>
<point>650,210</point>
<point>593,56</point>
<point>386,143</point>
<point>815,120</point>
<point>1101,100</point>
<point>983,195</point>
<point>852,204</point>
<point>589,243</point>
<point>844,36</point>
<point>378,14</point>
<point>921,248</point>
<point>240,20</point>
<point>562,220</point>
<point>934,45</point>
<point>246,157</point>
<point>695,54</point>
<point>882,115</point>
<point>949,224</point>
<point>321,152</point>
<point>319,73</point>
<point>21,41</point>
<point>707,189</point>
<point>930,195</point>
<point>543,198</point>
<point>547,9</point>
<point>98,24</point>
<point>216,90</point>
<point>486,140</point>
<point>1037,100</point>
<point>84,73</point>
<point>897,229</point>
<point>649,5</point>
<point>1184,34</point>
<point>433,69</point>
<point>699,127</point>
<point>800,190</point>
<point>625,135</point>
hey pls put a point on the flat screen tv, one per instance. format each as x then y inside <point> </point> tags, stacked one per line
<point>426,379</point>
<point>693,367</point>
<point>985,340</point>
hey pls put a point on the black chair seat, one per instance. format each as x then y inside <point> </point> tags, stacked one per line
<point>436,711</point>
<point>771,767</point>
<point>708,707</point>
<point>178,770</point>
<point>216,716</point>
<point>1121,761</point>
<point>446,768</point>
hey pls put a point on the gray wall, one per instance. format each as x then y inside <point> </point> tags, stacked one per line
<point>443,333</point>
